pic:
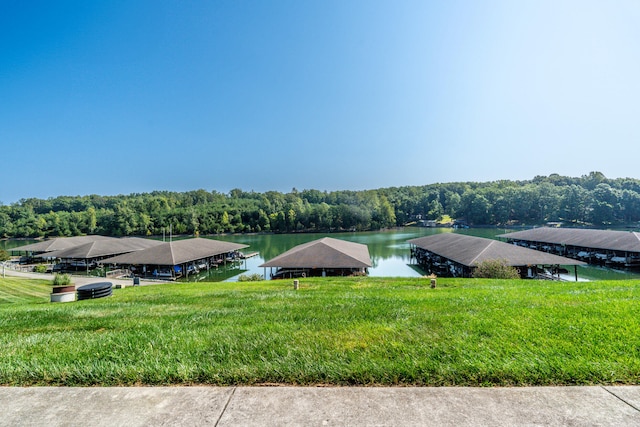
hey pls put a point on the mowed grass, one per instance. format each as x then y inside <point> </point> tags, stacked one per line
<point>15,290</point>
<point>356,331</point>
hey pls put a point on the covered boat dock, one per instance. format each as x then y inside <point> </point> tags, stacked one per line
<point>178,258</point>
<point>322,257</point>
<point>88,255</point>
<point>457,255</point>
<point>603,247</point>
<point>55,244</point>
<point>80,252</point>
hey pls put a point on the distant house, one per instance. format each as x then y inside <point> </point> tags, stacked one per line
<point>428,223</point>
<point>457,255</point>
<point>323,257</point>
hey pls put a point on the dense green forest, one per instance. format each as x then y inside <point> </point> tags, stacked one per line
<point>589,200</point>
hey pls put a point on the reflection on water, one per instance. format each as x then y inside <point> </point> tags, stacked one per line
<point>388,249</point>
<point>7,244</point>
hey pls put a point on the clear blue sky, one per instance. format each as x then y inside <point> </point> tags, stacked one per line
<point>116,97</point>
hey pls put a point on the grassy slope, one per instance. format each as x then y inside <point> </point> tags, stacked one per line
<point>15,290</point>
<point>331,331</point>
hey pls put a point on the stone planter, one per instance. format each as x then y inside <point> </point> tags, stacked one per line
<point>66,293</point>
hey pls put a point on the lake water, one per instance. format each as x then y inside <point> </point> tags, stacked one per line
<point>389,252</point>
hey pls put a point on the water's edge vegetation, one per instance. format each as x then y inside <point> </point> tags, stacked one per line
<point>335,331</point>
<point>589,200</point>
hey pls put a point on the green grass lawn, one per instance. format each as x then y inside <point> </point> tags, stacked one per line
<point>14,290</point>
<point>357,331</point>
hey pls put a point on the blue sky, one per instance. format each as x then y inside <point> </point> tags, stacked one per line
<point>117,97</point>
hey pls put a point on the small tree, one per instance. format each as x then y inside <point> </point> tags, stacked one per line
<point>495,269</point>
<point>4,255</point>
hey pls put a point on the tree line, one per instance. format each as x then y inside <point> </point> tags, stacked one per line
<point>588,200</point>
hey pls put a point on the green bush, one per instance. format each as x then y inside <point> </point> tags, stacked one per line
<point>250,278</point>
<point>40,268</point>
<point>61,280</point>
<point>495,269</point>
<point>4,255</point>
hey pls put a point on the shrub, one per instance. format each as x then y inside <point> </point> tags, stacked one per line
<point>4,255</point>
<point>61,280</point>
<point>495,269</point>
<point>40,268</point>
<point>250,278</point>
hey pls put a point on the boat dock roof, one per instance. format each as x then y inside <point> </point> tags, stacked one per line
<point>471,251</point>
<point>176,252</point>
<point>323,253</point>
<point>628,241</point>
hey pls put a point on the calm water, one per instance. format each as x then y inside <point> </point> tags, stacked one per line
<point>389,252</point>
<point>7,244</point>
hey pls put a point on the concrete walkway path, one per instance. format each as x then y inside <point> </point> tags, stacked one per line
<point>320,406</point>
<point>76,280</point>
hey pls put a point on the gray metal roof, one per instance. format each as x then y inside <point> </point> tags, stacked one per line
<point>102,248</point>
<point>597,239</point>
<point>176,252</point>
<point>470,251</point>
<point>59,243</point>
<point>323,253</point>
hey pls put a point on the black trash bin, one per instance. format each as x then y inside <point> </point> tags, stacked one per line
<point>136,281</point>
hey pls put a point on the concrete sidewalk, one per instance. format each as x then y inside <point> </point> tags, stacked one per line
<point>320,406</point>
<point>78,280</point>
